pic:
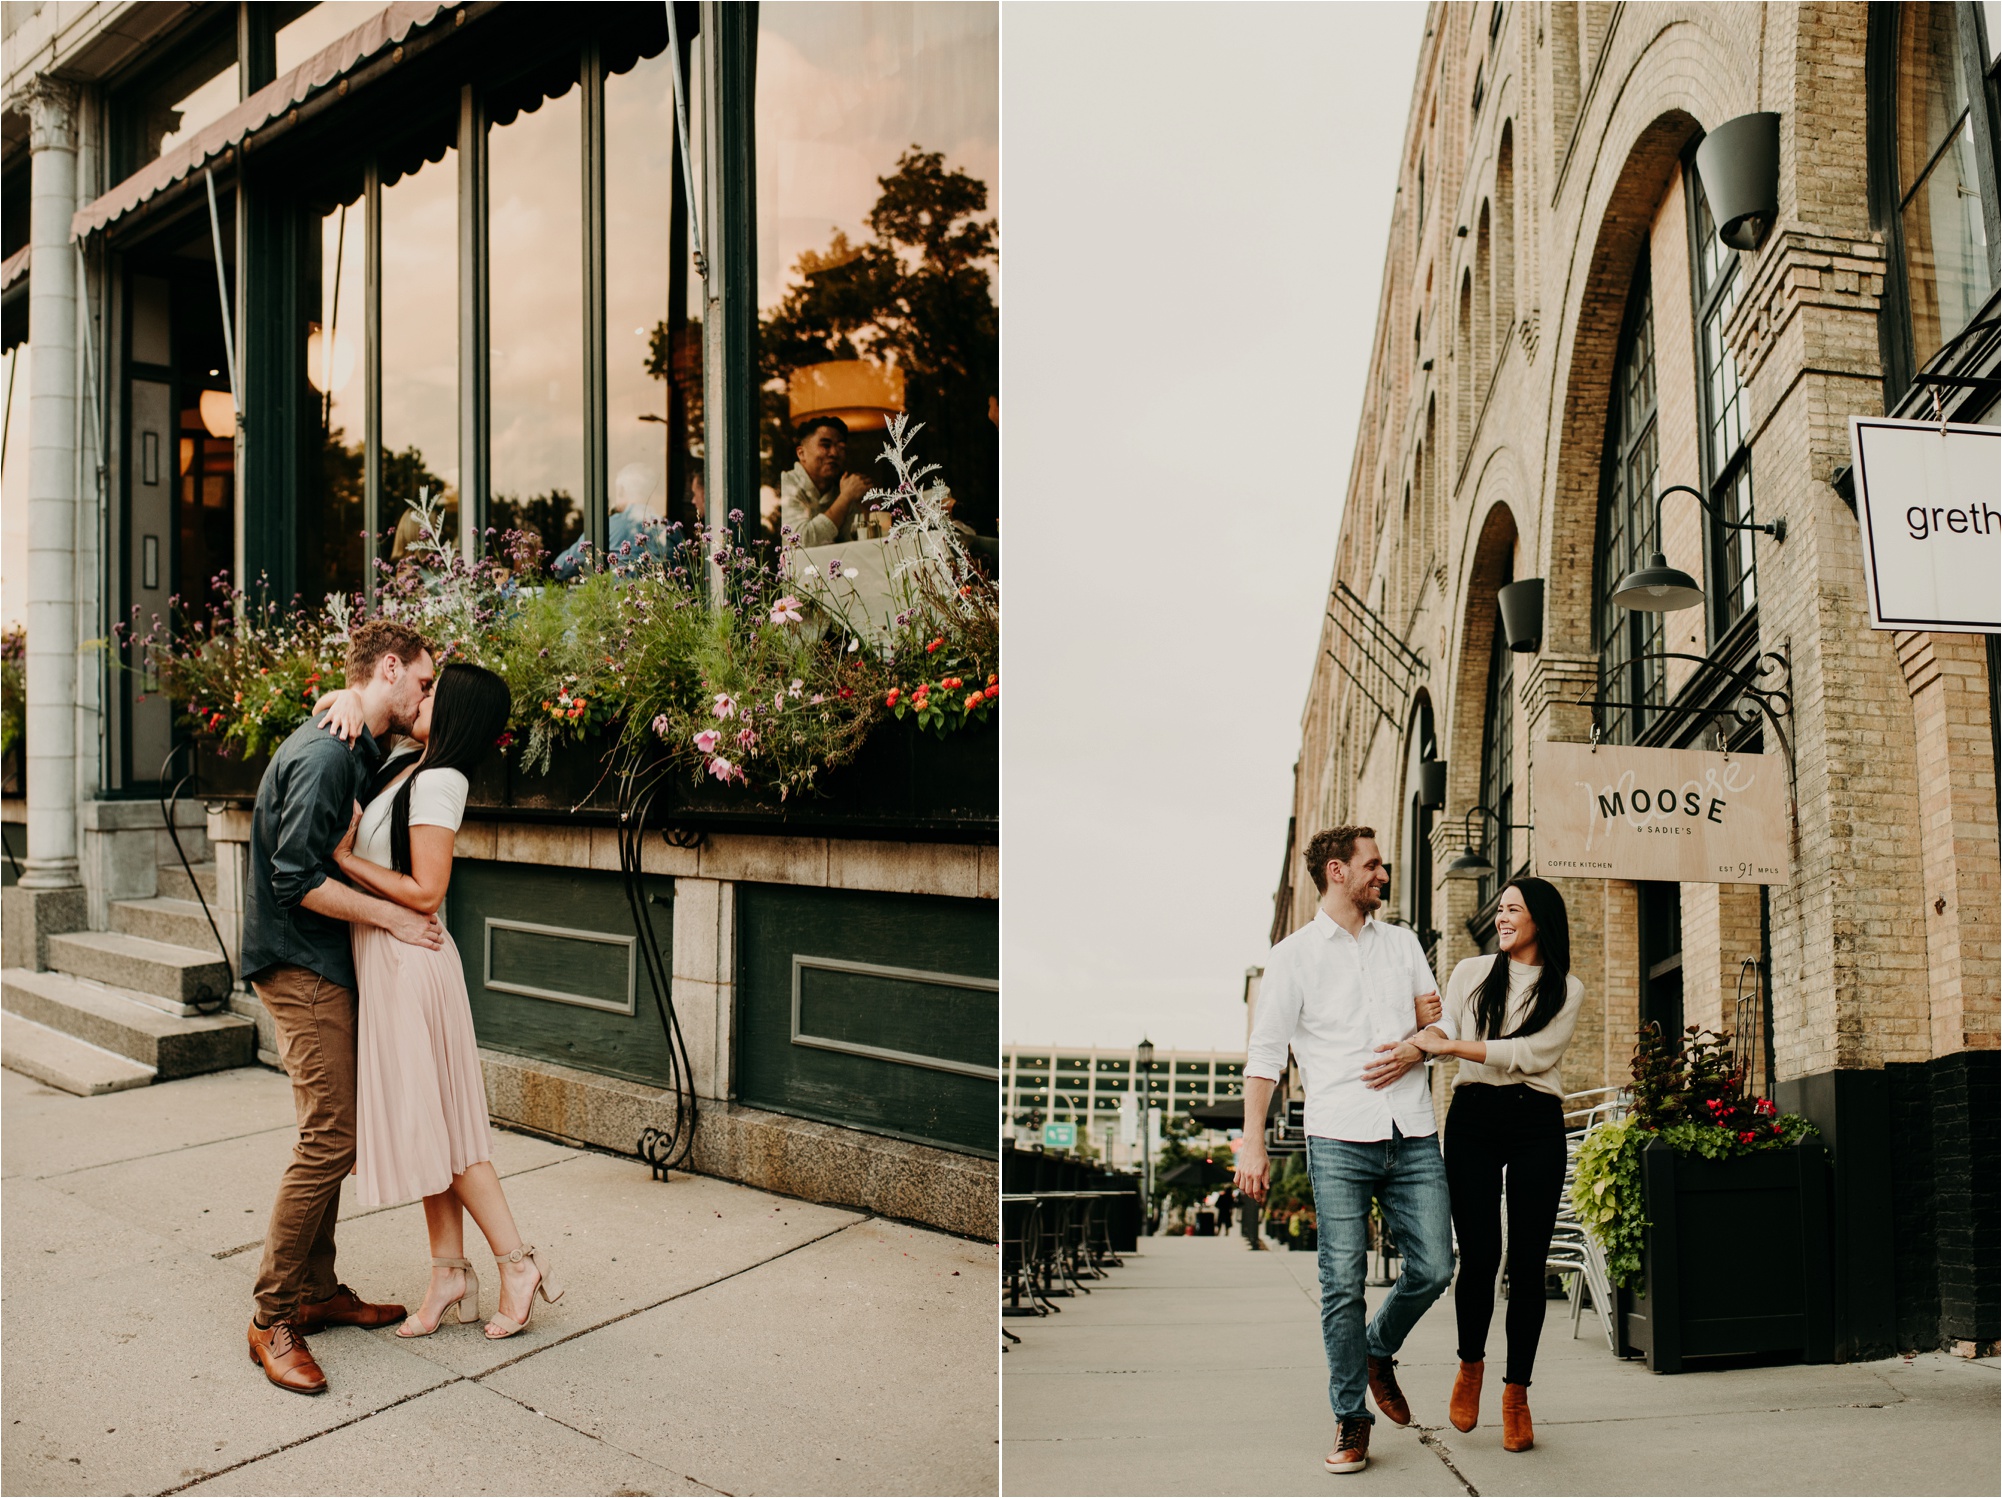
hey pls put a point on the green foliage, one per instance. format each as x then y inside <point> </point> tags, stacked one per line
<point>1689,1093</point>
<point>13,689</point>
<point>1179,1146</point>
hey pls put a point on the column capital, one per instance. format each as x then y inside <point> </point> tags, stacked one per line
<point>51,105</point>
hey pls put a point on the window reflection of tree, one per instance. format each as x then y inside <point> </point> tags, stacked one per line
<point>917,293</point>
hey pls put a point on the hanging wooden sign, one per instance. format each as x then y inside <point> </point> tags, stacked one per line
<point>1684,815</point>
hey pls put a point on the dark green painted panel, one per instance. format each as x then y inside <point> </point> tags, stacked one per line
<point>931,933</point>
<point>570,899</point>
<point>586,968</point>
<point>943,1020</point>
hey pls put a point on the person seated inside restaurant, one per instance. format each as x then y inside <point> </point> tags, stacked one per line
<point>636,528</point>
<point>818,502</point>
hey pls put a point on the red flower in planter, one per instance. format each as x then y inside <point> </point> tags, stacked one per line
<point>1747,1137</point>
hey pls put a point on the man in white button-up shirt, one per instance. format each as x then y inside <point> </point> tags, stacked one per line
<point>1345,992</point>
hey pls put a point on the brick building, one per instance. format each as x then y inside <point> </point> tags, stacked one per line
<point>1562,335</point>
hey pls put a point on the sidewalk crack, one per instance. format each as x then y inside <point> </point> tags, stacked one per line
<point>1430,1441</point>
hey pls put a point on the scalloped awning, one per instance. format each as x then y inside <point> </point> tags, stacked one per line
<point>387,28</point>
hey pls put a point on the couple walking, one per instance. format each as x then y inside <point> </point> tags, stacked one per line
<point>1356,1001</point>
<point>350,856</point>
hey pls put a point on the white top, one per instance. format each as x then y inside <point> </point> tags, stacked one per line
<point>1334,998</point>
<point>438,799</point>
<point>1538,1059</point>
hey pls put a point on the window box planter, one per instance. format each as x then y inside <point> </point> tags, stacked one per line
<point>226,777</point>
<point>905,783</point>
<point>1735,1260</point>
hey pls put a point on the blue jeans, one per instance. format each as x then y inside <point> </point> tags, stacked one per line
<point>1408,1177</point>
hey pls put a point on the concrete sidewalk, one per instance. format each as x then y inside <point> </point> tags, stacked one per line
<point>713,1338</point>
<point>1132,1389</point>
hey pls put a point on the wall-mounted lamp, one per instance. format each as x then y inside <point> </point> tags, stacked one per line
<point>1739,165</point>
<point>1522,614</point>
<point>1472,865</point>
<point>1661,589</point>
<point>1461,232</point>
<point>1431,783</point>
<point>218,413</point>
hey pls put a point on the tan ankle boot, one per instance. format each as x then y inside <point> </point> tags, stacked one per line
<point>1516,1432</point>
<point>1465,1409</point>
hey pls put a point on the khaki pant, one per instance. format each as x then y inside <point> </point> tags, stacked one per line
<point>316,1041</point>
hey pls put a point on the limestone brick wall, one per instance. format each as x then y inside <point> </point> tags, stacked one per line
<point>1590,109</point>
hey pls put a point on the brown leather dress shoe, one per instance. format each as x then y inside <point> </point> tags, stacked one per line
<point>345,1308</point>
<point>1383,1389</point>
<point>1517,1434</point>
<point>285,1358</point>
<point>1351,1453</point>
<point>1465,1409</point>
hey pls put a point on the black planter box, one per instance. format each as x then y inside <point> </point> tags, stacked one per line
<point>904,783</point>
<point>1735,1261</point>
<point>226,777</point>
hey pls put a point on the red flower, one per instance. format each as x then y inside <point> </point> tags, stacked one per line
<point>934,644</point>
<point>895,693</point>
<point>845,693</point>
<point>1776,1128</point>
<point>1747,1137</point>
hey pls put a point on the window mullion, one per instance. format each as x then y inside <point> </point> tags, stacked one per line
<point>372,378</point>
<point>597,516</point>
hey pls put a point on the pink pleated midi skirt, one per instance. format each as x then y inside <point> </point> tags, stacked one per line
<point>421,1100</point>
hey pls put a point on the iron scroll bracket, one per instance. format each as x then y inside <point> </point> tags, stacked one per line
<point>1760,692</point>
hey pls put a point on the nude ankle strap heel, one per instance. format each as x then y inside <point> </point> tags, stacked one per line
<point>544,1287</point>
<point>468,1302</point>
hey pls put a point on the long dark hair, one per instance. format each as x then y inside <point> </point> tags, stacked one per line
<point>1553,944</point>
<point>469,708</point>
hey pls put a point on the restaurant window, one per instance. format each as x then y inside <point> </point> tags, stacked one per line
<point>1932,173</point>
<point>1727,455</point>
<point>1498,763</point>
<point>878,154</point>
<point>191,85</point>
<point>419,357</point>
<point>535,360</point>
<point>332,520</point>
<point>1629,527</point>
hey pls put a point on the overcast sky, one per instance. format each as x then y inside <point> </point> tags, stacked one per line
<point>1198,199</point>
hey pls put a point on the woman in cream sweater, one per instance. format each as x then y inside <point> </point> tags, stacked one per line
<point>1518,1009</point>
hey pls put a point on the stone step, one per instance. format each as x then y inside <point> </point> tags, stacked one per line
<point>179,922</point>
<point>175,886</point>
<point>64,1061</point>
<point>180,975</point>
<point>117,1020</point>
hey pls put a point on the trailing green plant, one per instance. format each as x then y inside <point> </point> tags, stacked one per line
<point>1689,1092</point>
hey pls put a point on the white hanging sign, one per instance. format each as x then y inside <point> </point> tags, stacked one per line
<point>1684,815</point>
<point>1930,500</point>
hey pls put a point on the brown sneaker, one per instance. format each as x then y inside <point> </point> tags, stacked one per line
<point>344,1308</point>
<point>1517,1433</point>
<point>1383,1389</point>
<point>285,1358</point>
<point>1465,1408</point>
<point>1351,1453</point>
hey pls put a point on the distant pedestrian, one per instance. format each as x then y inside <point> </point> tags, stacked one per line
<point>1346,993</point>
<point>1508,1116</point>
<point>1226,1202</point>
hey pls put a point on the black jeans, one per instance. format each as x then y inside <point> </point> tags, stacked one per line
<point>1491,1130</point>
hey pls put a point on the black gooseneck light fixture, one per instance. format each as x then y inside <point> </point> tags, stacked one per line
<point>1661,589</point>
<point>1472,865</point>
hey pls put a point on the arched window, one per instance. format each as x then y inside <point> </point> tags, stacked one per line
<point>1933,188</point>
<point>1498,761</point>
<point>1463,417</point>
<point>1484,328</point>
<point>1628,525</point>
<point>1414,887</point>
<point>1733,583</point>
<point>1504,238</point>
<point>1429,473</point>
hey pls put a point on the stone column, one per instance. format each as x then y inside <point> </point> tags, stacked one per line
<point>52,499</point>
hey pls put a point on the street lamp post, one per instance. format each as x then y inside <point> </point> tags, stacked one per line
<point>1143,1060</point>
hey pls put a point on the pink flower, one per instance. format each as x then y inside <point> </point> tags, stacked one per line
<point>661,725</point>
<point>723,770</point>
<point>707,740</point>
<point>747,738</point>
<point>786,611</point>
<point>723,707</point>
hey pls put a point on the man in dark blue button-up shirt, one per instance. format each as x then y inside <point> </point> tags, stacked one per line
<point>296,914</point>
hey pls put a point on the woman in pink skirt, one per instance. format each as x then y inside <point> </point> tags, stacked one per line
<point>422,1106</point>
